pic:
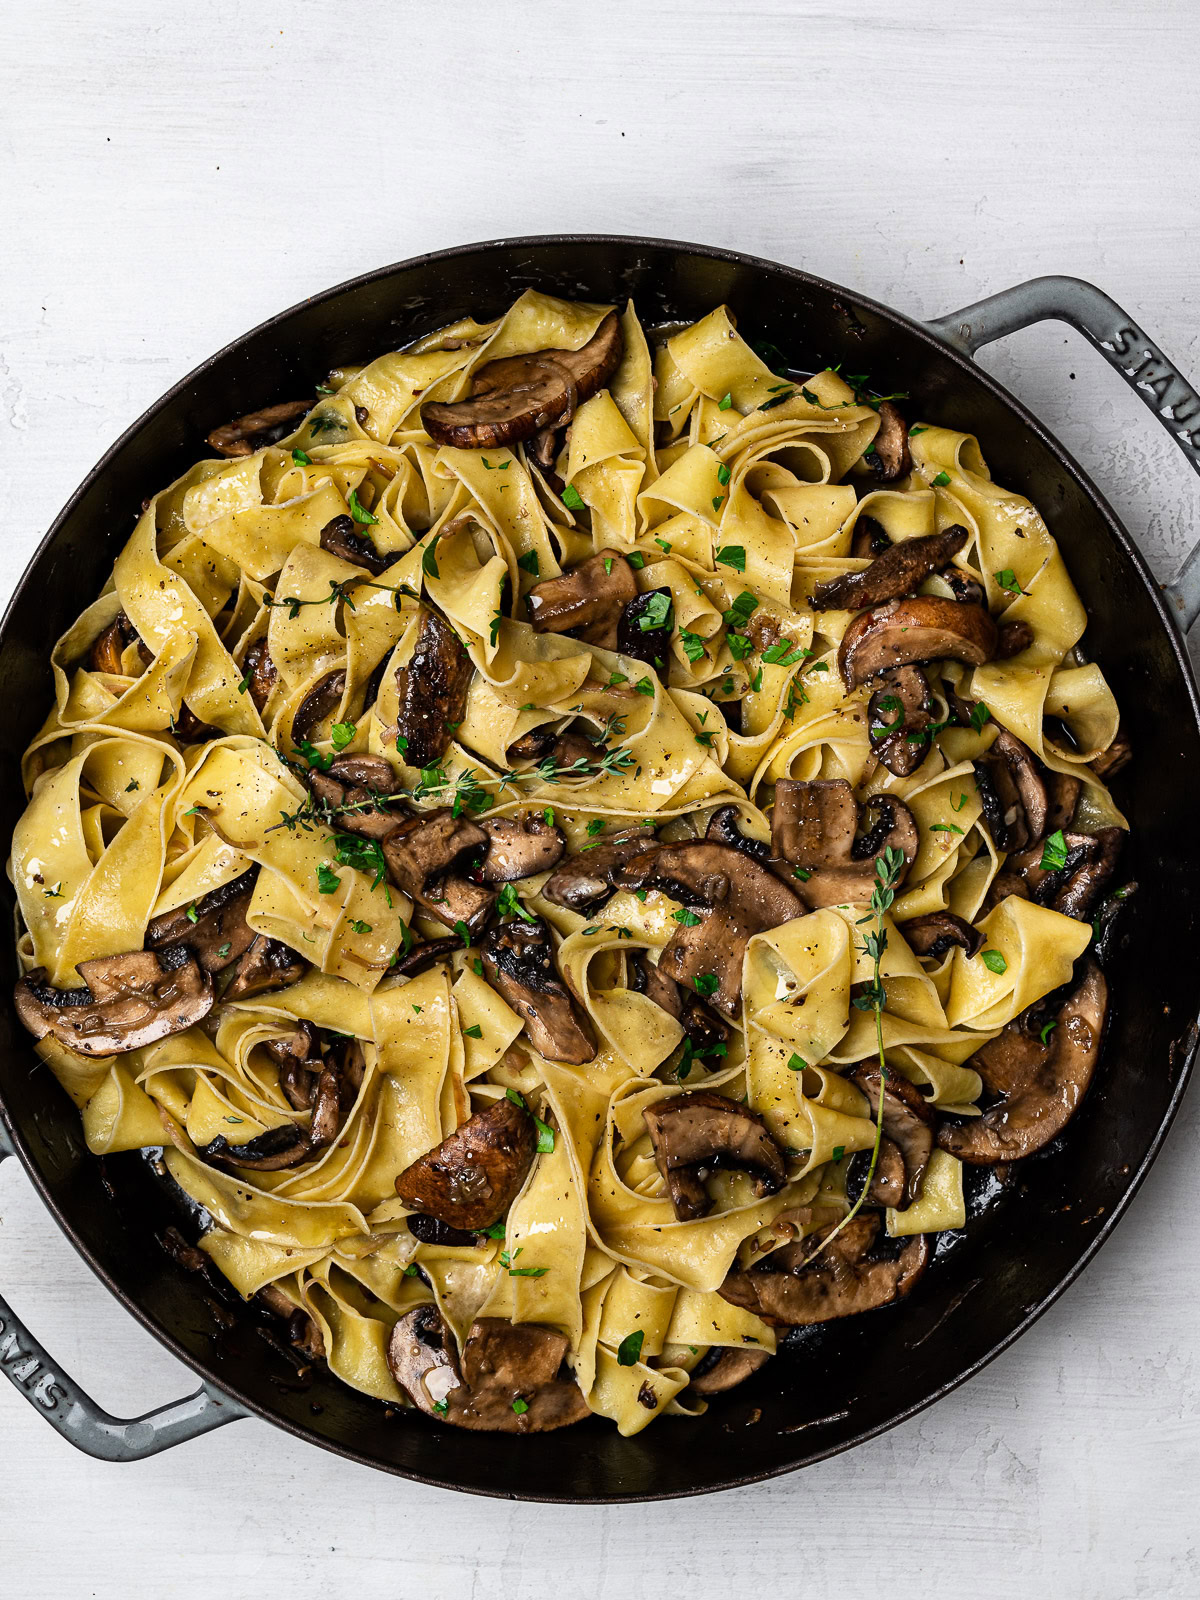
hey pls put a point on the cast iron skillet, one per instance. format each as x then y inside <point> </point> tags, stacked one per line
<point>1025,1243</point>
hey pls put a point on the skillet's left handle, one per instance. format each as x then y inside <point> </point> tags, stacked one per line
<point>73,1413</point>
<point>1152,376</point>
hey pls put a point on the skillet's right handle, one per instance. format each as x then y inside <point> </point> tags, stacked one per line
<point>1124,345</point>
<point>72,1412</point>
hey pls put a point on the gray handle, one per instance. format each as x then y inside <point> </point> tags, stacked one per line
<point>73,1412</point>
<point>1153,378</point>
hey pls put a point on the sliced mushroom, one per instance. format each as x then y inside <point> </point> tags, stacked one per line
<point>433,691</point>
<point>1012,792</point>
<point>244,435</point>
<point>588,878</point>
<point>736,898</point>
<point>302,1332</point>
<point>430,1231</point>
<point>520,846</point>
<point>907,1122</point>
<point>422,855</point>
<point>639,636</point>
<point>1062,795</point>
<point>188,728</point>
<point>925,628</point>
<point>794,1287</point>
<point>340,536</point>
<point>695,1134</point>
<point>868,539</point>
<point>1039,1068</point>
<point>724,828</point>
<point>965,588</point>
<point>1072,889</point>
<point>109,646</point>
<point>260,673</point>
<point>423,956</point>
<point>127,1001</point>
<point>1012,638</point>
<point>298,1058</point>
<point>510,1379</point>
<point>336,1090</point>
<point>272,1151</point>
<point>898,720</point>
<point>891,458</point>
<point>357,788</point>
<point>471,1179</point>
<point>587,601</point>
<point>321,701</point>
<point>214,926</point>
<point>814,827</point>
<point>561,749</point>
<point>887,1180</point>
<point>704,1030</point>
<point>900,570</point>
<point>1002,887</point>
<point>1111,761</point>
<point>267,965</point>
<point>518,396</point>
<point>723,1367</point>
<point>938,932</point>
<point>519,960</point>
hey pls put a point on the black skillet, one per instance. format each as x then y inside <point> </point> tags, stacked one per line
<point>1024,1244</point>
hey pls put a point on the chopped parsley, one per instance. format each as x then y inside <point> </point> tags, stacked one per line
<point>529,563</point>
<point>572,498</point>
<point>693,645</point>
<point>942,479</point>
<point>629,1351</point>
<point>724,403</point>
<point>1054,852</point>
<point>657,613</point>
<point>732,555</point>
<point>301,460</point>
<point>687,919</point>
<point>358,511</point>
<point>796,1063</point>
<point>341,734</point>
<point>1044,1036</point>
<point>473,1032</point>
<point>705,983</point>
<point>192,914</point>
<point>1007,579</point>
<point>328,881</point>
<point>994,961</point>
<point>359,927</point>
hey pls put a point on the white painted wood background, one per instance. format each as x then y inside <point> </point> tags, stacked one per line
<point>173,173</point>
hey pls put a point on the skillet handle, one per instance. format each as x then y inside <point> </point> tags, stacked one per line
<point>1123,344</point>
<point>76,1416</point>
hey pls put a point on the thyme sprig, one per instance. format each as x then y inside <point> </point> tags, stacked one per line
<point>888,869</point>
<point>338,590</point>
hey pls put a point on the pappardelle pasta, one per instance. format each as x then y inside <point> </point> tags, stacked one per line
<point>566,845</point>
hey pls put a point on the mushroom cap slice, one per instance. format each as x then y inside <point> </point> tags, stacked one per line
<point>340,536</point>
<point>267,965</point>
<point>354,787</point>
<point>791,1290</point>
<point>321,701</point>
<point>1073,888</point>
<point>127,1001</point>
<point>423,956</point>
<point>471,1178</point>
<point>938,932</point>
<point>637,635</point>
<point>1113,760</point>
<point>272,1151</point>
<point>694,1134</point>
<point>925,628</point>
<point>1039,1084</point>
<point>502,1363</point>
<point>519,959</point>
<point>891,458</point>
<point>260,670</point>
<point>900,570</point>
<point>587,878</point>
<point>422,853</point>
<point>723,1367</point>
<point>518,396</point>
<point>907,1122</point>
<point>520,846</point>
<point>702,1027</point>
<point>1012,792</point>
<point>813,826</point>
<point>216,931</point>
<point>244,435</point>
<point>588,601</point>
<point>898,717</point>
<point>432,687</point>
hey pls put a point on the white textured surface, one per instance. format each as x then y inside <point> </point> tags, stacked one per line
<point>175,173</point>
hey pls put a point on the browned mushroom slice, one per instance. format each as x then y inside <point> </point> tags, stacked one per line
<point>925,628</point>
<point>244,435</point>
<point>423,956</point>
<point>564,750</point>
<point>890,455</point>
<point>1089,861</point>
<point>302,1332</point>
<point>704,1030</point>
<point>1002,887</point>
<point>723,1367</point>
<point>644,629</point>
<point>109,646</point>
<point>321,701</point>
<point>1111,761</point>
<point>433,688</point>
<point>357,788</point>
<point>340,536</point>
<point>724,828</point>
<point>868,539</point>
<point>326,1110</point>
<point>510,1380</point>
<point>127,1001</point>
<point>1012,792</point>
<point>430,1231</point>
<point>907,1122</point>
<point>900,570</point>
<point>1011,639</point>
<point>898,720</point>
<point>587,601</point>
<point>1062,796</point>
<point>887,1180</point>
<point>519,960</point>
<point>471,1179</point>
<point>422,855</point>
<point>267,965</point>
<point>188,728</point>
<point>214,926</point>
<point>520,846</point>
<point>518,396</point>
<point>260,673</point>
<point>695,1134</point>
<point>814,826</point>
<point>585,880</point>
<point>735,896</point>
<point>272,1151</point>
<point>795,1288</point>
<point>1038,1081</point>
<point>298,1057</point>
<point>938,932</point>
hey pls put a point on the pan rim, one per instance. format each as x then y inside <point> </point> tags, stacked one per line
<point>968,368</point>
